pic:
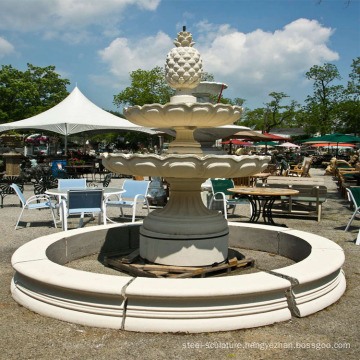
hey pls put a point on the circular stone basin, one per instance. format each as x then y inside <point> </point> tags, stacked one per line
<point>42,284</point>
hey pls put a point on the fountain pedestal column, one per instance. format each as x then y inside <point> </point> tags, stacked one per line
<point>184,232</point>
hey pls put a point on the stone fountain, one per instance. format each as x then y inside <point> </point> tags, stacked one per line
<point>184,232</point>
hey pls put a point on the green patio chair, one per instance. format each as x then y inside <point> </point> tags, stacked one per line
<point>221,194</point>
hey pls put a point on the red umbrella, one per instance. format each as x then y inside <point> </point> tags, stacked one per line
<point>333,144</point>
<point>237,142</point>
<point>275,137</point>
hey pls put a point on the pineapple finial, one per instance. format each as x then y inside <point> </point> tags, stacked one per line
<point>184,39</point>
<point>183,65</point>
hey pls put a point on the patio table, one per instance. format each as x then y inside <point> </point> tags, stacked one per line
<point>262,200</point>
<point>108,191</point>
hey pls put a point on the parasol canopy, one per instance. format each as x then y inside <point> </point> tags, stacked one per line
<point>289,145</point>
<point>332,138</point>
<point>237,142</point>
<point>333,144</point>
<point>275,137</point>
<point>264,143</point>
<point>250,134</point>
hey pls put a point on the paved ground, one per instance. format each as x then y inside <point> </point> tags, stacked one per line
<point>332,333</point>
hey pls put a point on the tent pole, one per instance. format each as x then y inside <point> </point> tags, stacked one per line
<point>66,139</point>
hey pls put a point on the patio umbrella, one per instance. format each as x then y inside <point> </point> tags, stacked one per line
<point>237,142</point>
<point>336,138</point>
<point>275,137</point>
<point>289,145</point>
<point>249,134</point>
<point>264,143</point>
<point>334,144</point>
<point>332,138</point>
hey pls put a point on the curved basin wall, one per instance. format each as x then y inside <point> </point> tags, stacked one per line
<point>43,285</point>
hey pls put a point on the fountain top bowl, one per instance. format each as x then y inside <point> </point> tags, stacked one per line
<point>195,115</point>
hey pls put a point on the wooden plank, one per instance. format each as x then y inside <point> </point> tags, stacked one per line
<point>168,271</point>
<point>139,266</point>
<point>159,273</point>
<point>118,265</point>
<point>233,261</point>
<point>128,259</point>
<point>169,268</point>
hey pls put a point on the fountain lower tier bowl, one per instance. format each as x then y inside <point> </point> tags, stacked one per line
<point>44,285</point>
<point>185,165</point>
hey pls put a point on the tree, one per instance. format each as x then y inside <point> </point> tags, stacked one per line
<point>273,115</point>
<point>277,114</point>
<point>254,119</point>
<point>321,106</point>
<point>348,111</point>
<point>28,93</point>
<point>147,87</point>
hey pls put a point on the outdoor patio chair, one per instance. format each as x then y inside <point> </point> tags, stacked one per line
<point>302,172</point>
<point>301,166</point>
<point>72,183</point>
<point>221,194</point>
<point>354,196</point>
<point>107,180</point>
<point>135,193</point>
<point>99,169</point>
<point>6,189</point>
<point>35,202</point>
<point>44,183</point>
<point>81,202</point>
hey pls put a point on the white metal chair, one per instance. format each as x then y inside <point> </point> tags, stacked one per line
<point>34,202</point>
<point>221,194</point>
<point>81,202</point>
<point>354,196</point>
<point>72,183</point>
<point>135,193</point>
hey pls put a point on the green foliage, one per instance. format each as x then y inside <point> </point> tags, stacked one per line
<point>147,87</point>
<point>321,107</point>
<point>27,93</point>
<point>278,115</point>
<point>348,110</point>
<point>205,76</point>
<point>275,114</point>
<point>254,119</point>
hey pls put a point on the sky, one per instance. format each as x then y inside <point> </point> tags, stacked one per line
<point>254,46</point>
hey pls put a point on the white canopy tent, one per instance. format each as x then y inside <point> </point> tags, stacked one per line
<point>75,114</point>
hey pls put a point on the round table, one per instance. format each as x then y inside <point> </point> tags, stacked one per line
<point>262,200</point>
<point>108,191</point>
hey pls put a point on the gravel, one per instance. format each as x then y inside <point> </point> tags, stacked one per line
<point>332,333</point>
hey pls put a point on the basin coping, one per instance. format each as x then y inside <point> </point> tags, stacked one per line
<point>31,261</point>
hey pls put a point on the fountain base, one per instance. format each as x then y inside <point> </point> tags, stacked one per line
<point>183,251</point>
<point>185,232</point>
